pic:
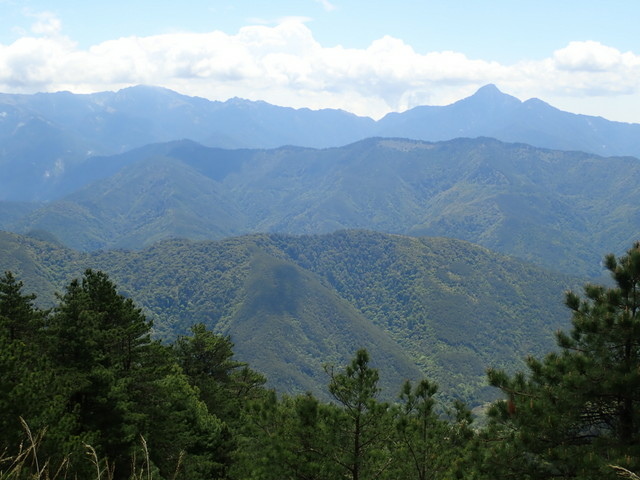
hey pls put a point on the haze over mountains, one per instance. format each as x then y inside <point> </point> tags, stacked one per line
<point>45,136</point>
<point>554,208</point>
<point>117,181</point>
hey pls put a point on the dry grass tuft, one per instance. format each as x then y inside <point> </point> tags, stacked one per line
<point>26,464</point>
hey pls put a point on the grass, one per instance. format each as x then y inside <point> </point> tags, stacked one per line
<point>623,472</point>
<point>27,465</point>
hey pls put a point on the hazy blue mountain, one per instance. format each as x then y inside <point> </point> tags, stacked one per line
<point>154,199</point>
<point>445,308</point>
<point>554,208</point>
<point>486,111</point>
<point>491,113</point>
<point>34,154</point>
<point>46,137</point>
<point>10,212</point>
<point>114,122</point>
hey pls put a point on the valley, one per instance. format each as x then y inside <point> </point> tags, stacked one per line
<point>254,249</point>
<point>324,249</point>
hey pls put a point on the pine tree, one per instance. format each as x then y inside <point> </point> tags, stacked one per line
<point>361,425</point>
<point>89,373</point>
<point>185,440</point>
<point>99,342</point>
<point>24,373</point>
<point>225,384</point>
<point>285,438</point>
<point>431,445</point>
<point>95,325</point>
<point>578,409</point>
<point>19,318</point>
<point>420,431</point>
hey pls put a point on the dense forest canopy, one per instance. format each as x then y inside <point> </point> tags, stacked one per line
<point>86,377</point>
<point>428,306</point>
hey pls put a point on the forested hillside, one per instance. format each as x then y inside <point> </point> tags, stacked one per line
<point>87,393</point>
<point>556,209</point>
<point>441,307</point>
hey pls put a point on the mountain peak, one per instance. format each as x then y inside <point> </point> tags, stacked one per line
<point>492,93</point>
<point>146,93</point>
<point>488,89</point>
<point>488,97</point>
<point>537,103</point>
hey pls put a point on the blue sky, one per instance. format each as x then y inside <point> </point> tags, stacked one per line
<point>365,57</point>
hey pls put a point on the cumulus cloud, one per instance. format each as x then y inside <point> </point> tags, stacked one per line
<point>590,68</point>
<point>285,65</point>
<point>588,57</point>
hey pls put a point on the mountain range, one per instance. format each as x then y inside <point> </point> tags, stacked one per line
<point>45,136</point>
<point>440,238</point>
<point>562,210</point>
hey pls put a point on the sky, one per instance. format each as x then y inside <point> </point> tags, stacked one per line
<point>366,57</point>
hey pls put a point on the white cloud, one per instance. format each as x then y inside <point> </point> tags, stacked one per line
<point>587,57</point>
<point>285,65</point>
<point>47,24</point>
<point>328,6</point>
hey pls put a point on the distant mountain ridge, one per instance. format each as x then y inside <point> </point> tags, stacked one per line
<point>491,113</point>
<point>563,210</point>
<point>45,136</point>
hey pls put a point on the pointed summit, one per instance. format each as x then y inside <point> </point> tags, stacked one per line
<point>483,113</point>
<point>488,89</point>
<point>491,95</point>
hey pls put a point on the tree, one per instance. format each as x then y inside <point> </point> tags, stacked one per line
<point>94,325</point>
<point>186,441</point>
<point>285,438</point>
<point>89,374</point>
<point>99,343</point>
<point>578,409</point>
<point>360,425</point>
<point>19,319</point>
<point>429,445</point>
<point>225,385</point>
<point>302,438</point>
<point>117,385</point>
<point>419,430</point>
<point>24,372</point>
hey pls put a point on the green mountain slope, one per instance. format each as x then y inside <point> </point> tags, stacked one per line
<point>292,324</point>
<point>443,307</point>
<point>556,209</point>
<point>151,200</point>
<point>455,306</point>
<point>44,267</point>
<point>11,212</point>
